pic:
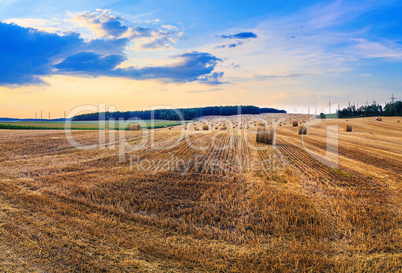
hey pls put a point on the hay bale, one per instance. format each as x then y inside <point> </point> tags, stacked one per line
<point>379,119</point>
<point>398,121</point>
<point>196,129</point>
<point>265,135</point>
<point>302,130</point>
<point>295,123</point>
<point>261,124</point>
<point>134,127</point>
<point>222,128</point>
<point>347,128</point>
<point>205,127</point>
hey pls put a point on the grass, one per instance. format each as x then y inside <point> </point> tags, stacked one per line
<point>76,125</point>
<point>341,173</point>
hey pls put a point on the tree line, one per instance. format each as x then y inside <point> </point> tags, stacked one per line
<point>177,114</point>
<point>390,109</point>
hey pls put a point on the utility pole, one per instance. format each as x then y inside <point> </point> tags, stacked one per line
<point>392,98</point>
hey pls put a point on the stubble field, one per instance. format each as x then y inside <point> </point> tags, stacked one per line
<point>194,200</point>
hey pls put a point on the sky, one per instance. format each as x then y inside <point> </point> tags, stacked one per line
<point>133,55</point>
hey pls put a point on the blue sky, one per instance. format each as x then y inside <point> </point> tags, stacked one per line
<point>284,54</point>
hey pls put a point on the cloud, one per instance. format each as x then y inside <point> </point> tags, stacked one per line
<point>108,46</point>
<point>105,25</point>
<point>159,40</point>
<point>49,25</point>
<point>27,54</point>
<point>241,35</point>
<point>208,90</point>
<point>90,62</point>
<point>102,23</point>
<point>375,49</point>
<point>230,45</point>
<point>194,66</point>
<point>170,27</point>
<point>284,76</point>
<point>212,79</point>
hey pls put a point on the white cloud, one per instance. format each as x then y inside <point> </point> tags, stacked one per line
<point>106,25</point>
<point>170,27</point>
<point>48,25</point>
<point>373,49</point>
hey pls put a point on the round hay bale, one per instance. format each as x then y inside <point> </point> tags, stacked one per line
<point>261,124</point>
<point>265,135</point>
<point>398,121</point>
<point>205,127</point>
<point>260,132</point>
<point>134,127</point>
<point>347,128</point>
<point>379,119</point>
<point>295,123</point>
<point>222,128</point>
<point>302,130</point>
<point>196,129</point>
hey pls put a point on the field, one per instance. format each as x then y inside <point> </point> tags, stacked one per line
<point>202,201</point>
<point>76,125</point>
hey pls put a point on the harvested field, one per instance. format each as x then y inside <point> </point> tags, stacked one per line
<point>63,209</point>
